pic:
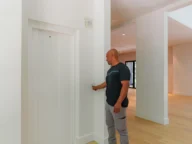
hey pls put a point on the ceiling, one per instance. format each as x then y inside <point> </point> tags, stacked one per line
<point>124,42</point>
<point>123,13</point>
<point>177,34</point>
<point>126,10</point>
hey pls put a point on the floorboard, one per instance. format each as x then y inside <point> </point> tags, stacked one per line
<point>179,131</point>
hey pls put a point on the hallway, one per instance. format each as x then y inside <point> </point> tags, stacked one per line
<point>177,132</point>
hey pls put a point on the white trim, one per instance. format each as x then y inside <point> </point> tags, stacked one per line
<point>177,5</point>
<point>51,27</point>
<point>91,137</point>
<point>100,140</point>
<point>77,89</point>
<point>181,94</point>
<point>154,118</point>
<point>166,121</point>
<point>106,141</point>
<point>166,109</point>
<point>85,139</point>
<point>75,33</point>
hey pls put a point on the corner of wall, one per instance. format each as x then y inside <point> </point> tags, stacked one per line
<point>100,140</point>
<point>85,139</point>
<point>91,137</point>
<point>156,119</point>
<point>166,121</point>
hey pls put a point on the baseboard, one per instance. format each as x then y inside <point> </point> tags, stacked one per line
<point>85,139</point>
<point>156,119</point>
<point>100,140</point>
<point>89,138</point>
<point>106,141</point>
<point>181,94</point>
<point>166,121</point>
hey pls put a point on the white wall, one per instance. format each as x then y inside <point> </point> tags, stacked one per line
<point>170,69</point>
<point>152,72</point>
<point>101,46</point>
<point>91,56</point>
<point>182,69</point>
<point>107,46</point>
<point>24,72</point>
<point>127,57</point>
<point>132,56</point>
<point>86,78</point>
<point>61,12</point>
<point>10,67</point>
<point>72,14</point>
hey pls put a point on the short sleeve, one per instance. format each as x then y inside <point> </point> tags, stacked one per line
<point>124,73</point>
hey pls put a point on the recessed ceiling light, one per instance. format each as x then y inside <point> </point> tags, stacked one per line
<point>123,34</point>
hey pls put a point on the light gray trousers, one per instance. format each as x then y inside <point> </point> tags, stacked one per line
<point>116,121</point>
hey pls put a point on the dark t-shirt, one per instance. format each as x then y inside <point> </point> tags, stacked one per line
<point>115,75</point>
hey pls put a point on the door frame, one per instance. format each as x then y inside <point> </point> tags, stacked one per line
<point>133,61</point>
<point>34,24</point>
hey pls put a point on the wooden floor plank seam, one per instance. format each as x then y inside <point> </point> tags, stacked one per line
<point>179,131</point>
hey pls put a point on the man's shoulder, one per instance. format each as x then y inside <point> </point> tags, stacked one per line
<point>109,69</point>
<point>123,66</point>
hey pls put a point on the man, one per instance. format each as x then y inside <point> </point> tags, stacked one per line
<point>117,84</point>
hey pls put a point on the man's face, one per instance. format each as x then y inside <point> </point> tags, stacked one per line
<point>109,58</point>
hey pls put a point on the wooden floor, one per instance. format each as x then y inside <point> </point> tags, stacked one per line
<point>179,131</point>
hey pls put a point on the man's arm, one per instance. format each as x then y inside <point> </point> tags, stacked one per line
<point>101,86</point>
<point>124,78</point>
<point>124,90</point>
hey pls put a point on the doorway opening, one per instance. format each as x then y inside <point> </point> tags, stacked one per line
<point>179,62</point>
<point>132,67</point>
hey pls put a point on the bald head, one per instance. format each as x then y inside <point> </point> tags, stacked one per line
<point>115,53</point>
<point>112,56</point>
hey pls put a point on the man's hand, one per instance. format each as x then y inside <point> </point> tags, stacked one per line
<point>94,88</point>
<point>101,86</point>
<point>117,107</point>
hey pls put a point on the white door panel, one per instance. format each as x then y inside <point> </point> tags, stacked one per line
<point>51,88</point>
